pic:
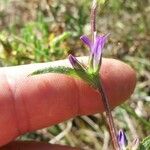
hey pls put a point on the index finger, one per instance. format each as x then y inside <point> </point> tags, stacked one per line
<point>30,103</point>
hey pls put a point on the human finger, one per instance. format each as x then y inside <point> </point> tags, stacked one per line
<point>20,145</point>
<point>30,103</point>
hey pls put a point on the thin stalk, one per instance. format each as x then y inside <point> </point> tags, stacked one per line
<point>93,19</point>
<point>101,89</point>
<point>93,27</point>
<point>109,117</point>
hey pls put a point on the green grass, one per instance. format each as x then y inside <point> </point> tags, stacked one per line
<point>50,32</point>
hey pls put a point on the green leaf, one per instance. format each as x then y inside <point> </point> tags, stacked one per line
<point>57,40</point>
<point>59,69</point>
<point>80,74</point>
<point>145,144</point>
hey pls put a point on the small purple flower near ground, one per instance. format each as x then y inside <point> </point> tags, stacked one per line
<point>122,139</point>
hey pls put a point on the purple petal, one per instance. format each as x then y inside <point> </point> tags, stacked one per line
<point>99,44</point>
<point>75,63</point>
<point>97,48</point>
<point>122,139</point>
<point>86,41</point>
<point>72,60</point>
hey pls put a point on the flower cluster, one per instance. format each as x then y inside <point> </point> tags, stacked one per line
<point>96,49</point>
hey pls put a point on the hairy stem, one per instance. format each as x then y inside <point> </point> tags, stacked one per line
<point>93,19</point>
<point>109,117</point>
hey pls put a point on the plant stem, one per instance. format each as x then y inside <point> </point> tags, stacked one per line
<point>109,117</point>
<point>93,19</point>
<point>101,89</point>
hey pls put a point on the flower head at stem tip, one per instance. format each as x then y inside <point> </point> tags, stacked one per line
<point>96,49</point>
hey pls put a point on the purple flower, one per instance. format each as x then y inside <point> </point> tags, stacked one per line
<point>96,49</point>
<point>122,139</point>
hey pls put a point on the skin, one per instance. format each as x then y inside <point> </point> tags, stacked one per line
<point>28,103</point>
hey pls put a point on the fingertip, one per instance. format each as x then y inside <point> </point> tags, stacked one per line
<point>119,79</point>
<point>52,98</point>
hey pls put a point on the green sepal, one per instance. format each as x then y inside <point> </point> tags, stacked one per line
<point>91,79</point>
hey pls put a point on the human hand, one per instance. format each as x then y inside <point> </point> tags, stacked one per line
<point>28,103</point>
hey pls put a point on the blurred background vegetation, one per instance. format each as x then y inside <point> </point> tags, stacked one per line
<point>47,30</point>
